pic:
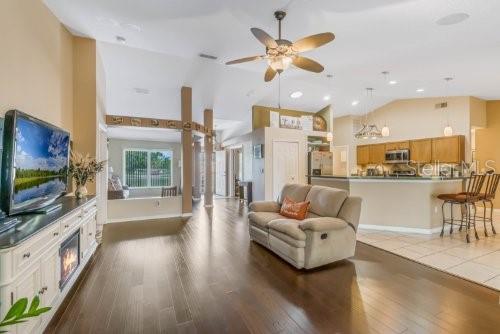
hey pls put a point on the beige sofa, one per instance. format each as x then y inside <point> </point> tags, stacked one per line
<point>328,233</point>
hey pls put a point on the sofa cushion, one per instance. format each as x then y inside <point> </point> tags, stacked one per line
<point>294,210</point>
<point>289,240</point>
<point>261,219</point>
<point>326,201</point>
<point>296,192</point>
<point>290,227</point>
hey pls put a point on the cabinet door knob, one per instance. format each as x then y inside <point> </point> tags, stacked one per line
<point>26,255</point>
<point>66,226</point>
<point>90,233</point>
<point>56,234</point>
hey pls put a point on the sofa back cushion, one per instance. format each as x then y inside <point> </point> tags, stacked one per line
<point>326,201</point>
<point>294,210</point>
<point>295,192</point>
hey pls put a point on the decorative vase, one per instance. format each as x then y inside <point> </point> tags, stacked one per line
<point>81,191</point>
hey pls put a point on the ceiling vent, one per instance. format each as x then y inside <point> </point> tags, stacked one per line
<point>143,91</point>
<point>441,105</point>
<point>204,55</point>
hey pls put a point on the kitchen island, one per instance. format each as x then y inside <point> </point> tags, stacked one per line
<point>404,204</point>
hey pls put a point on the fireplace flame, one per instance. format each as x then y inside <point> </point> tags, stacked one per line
<point>69,261</point>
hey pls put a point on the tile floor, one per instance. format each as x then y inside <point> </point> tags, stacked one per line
<point>478,261</point>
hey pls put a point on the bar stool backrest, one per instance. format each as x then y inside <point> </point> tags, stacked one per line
<point>475,185</point>
<point>491,185</point>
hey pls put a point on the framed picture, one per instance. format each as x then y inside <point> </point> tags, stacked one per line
<point>258,151</point>
<point>290,122</point>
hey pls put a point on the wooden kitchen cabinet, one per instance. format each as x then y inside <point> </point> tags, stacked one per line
<point>398,145</point>
<point>376,154</point>
<point>421,150</point>
<point>363,154</point>
<point>448,149</point>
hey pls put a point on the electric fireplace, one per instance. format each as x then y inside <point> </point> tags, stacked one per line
<point>70,257</point>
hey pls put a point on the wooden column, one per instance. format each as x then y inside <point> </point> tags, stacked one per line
<point>208,120</point>
<point>187,150</point>
<point>196,170</point>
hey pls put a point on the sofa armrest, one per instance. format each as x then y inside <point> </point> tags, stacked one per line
<point>350,211</point>
<point>264,206</point>
<point>322,224</point>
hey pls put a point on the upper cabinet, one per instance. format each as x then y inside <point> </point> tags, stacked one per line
<point>441,149</point>
<point>377,153</point>
<point>399,145</point>
<point>448,149</point>
<point>363,154</point>
<point>421,150</point>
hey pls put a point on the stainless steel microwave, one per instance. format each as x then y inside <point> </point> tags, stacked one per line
<point>397,156</point>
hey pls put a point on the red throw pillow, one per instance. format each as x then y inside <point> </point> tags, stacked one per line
<point>295,210</point>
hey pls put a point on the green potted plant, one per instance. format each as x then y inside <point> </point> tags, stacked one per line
<point>19,312</point>
<point>83,169</point>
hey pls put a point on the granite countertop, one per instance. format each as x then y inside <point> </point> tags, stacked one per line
<point>31,224</point>
<point>413,178</point>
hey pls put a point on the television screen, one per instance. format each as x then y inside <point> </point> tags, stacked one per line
<point>37,162</point>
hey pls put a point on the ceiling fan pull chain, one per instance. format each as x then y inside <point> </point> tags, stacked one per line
<point>279,90</point>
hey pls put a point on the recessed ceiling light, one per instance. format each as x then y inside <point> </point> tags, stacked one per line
<point>393,82</point>
<point>420,90</point>
<point>452,19</point>
<point>296,95</point>
<point>355,103</point>
<point>121,39</point>
<point>326,98</point>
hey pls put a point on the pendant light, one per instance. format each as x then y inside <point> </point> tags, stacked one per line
<point>448,130</point>
<point>368,130</point>
<point>386,132</point>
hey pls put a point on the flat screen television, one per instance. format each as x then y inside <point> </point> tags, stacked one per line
<point>35,163</point>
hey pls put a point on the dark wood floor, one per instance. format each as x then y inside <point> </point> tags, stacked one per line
<point>205,276</point>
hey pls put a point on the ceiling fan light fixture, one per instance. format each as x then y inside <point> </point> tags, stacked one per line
<point>280,63</point>
<point>296,95</point>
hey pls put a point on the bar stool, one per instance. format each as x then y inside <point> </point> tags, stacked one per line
<point>487,197</point>
<point>467,200</point>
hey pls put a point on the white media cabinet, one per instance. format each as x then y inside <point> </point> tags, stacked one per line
<point>30,262</point>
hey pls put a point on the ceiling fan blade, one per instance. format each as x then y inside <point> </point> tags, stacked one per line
<point>313,42</point>
<point>264,38</point>
<point>243,60</point>
<point>308,64</point>
<point>270,74</point>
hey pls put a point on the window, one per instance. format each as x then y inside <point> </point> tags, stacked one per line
<point>147,168</point>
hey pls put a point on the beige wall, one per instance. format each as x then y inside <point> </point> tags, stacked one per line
<point>477,113</point>
<point>36,63</point>
<point>48,73</point>
<point>488,139</point>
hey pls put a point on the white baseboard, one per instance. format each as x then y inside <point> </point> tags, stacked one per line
<point>400,229</point>
<point>132,219</point>
<point>208,206</point>
<point>187,215</point>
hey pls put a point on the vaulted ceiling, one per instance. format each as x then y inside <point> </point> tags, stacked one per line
<point>164,39</point>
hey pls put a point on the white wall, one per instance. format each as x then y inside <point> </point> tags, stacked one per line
<point>115,153</point>
<point>132,209</point>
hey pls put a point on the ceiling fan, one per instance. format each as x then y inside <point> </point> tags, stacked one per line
<point>282,53</point>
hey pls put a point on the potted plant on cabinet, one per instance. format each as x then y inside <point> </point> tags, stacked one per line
<point>19,312</point>
<point>83,169</point>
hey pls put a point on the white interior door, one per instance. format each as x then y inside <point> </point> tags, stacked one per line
<point>220,173</point>
<point>285,165</point>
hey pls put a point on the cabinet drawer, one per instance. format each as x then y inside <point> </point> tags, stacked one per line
<point>70,222</point>
<point>28,252</point>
